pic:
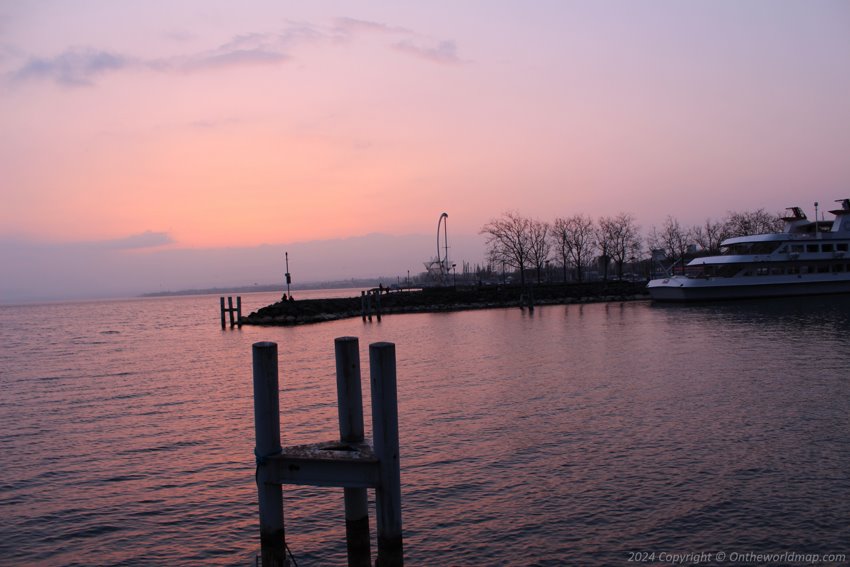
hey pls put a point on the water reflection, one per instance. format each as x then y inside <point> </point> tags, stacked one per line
<point>570,437</point>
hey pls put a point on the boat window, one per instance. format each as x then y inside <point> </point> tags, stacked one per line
<point>762,271</point>
<point>838,268</point>
<point>811,247</point>
<point>793,269</point>
<point>764,247</point>
<point>796,248</point>
<point>823,269</point>
<point>826,247</point>
<point>804,269</point>
<point>841,247</point>
<point>742,248</point>
<point>727,271</point>
<point>776,271</point>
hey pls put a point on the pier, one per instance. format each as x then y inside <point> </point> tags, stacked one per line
<point>376,303</point>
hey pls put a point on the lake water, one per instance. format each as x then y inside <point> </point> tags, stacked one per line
<point>579,435</point>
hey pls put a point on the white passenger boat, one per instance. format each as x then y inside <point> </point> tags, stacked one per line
<point>807,258</point>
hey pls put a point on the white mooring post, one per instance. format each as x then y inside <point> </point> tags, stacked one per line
<point>267,428</point>
<point>350,403</point>
<point>386,446</point>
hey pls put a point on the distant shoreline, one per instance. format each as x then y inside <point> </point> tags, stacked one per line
<point>364,283</point>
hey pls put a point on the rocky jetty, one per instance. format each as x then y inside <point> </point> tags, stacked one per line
<point>438,299</point>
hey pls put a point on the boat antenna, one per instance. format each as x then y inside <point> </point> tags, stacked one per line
<point>816,219</point>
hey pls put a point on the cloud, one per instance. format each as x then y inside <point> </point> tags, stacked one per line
<point>147,239</point>
<point>353,26</point>
<point>81,66</point>
<point>37,270</point>
<point>444,52</point>
<point>76,66</point>
<point>409,42</point>
<point>234,58</point>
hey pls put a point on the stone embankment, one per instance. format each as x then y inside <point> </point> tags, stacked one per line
<point>445,299</point>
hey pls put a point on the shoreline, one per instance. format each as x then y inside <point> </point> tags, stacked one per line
<point>444,299</point>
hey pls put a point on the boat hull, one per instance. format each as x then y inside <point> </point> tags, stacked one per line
<point>679,288</point>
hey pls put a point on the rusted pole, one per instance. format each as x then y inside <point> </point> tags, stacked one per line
<point>350,403</point>
<point>382,369</point>
<point>267,429</point>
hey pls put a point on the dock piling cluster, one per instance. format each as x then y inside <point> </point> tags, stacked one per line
<point>350,462</point>
<point>237,311</point>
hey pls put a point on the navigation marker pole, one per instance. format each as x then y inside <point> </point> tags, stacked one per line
<point>288,277</point>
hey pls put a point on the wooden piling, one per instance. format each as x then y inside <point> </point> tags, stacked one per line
<point>369,306</point>
<point>231,310</point>
<point>349,463</point>
<point>267,429</point>
<point>350,404</point>
<point>378,304</point>
<point>382,369</point>
<point>363,305</point>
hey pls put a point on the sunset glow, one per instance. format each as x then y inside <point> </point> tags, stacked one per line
<point>275,123</point>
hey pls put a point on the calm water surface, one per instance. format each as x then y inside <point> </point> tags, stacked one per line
<point>572,436</point>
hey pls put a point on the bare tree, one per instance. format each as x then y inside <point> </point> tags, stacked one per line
<point>619,239</point>
<point>673,239</point>
<point>509,241</point>
<point>541,248</point>
<point>709,236</point>
<point>574,239</point>
<point>752,222</point>
<point>559,237</point>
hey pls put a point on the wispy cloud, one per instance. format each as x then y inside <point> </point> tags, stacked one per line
<point>406,41</point>
<point>353,26</point>
<point>82,66</point>
<point>77,66</point>
<point>444,52</point>
<point>146,239</point>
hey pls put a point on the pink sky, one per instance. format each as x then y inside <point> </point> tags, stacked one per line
<point>198,126</point>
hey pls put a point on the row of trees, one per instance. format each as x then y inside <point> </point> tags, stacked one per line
<point>524,243</point>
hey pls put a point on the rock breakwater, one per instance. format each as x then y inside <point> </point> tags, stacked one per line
<point>439,299</point>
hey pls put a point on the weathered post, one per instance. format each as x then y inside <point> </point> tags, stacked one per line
<point>378,304</point>
<point>363,305</point>
<point>369,305</point>
<point>267,429</point>
<point>382,371</point>
<point>239,310</point>
<point>223,325</point>
<point>350,403</point>
<point>230,310</point>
